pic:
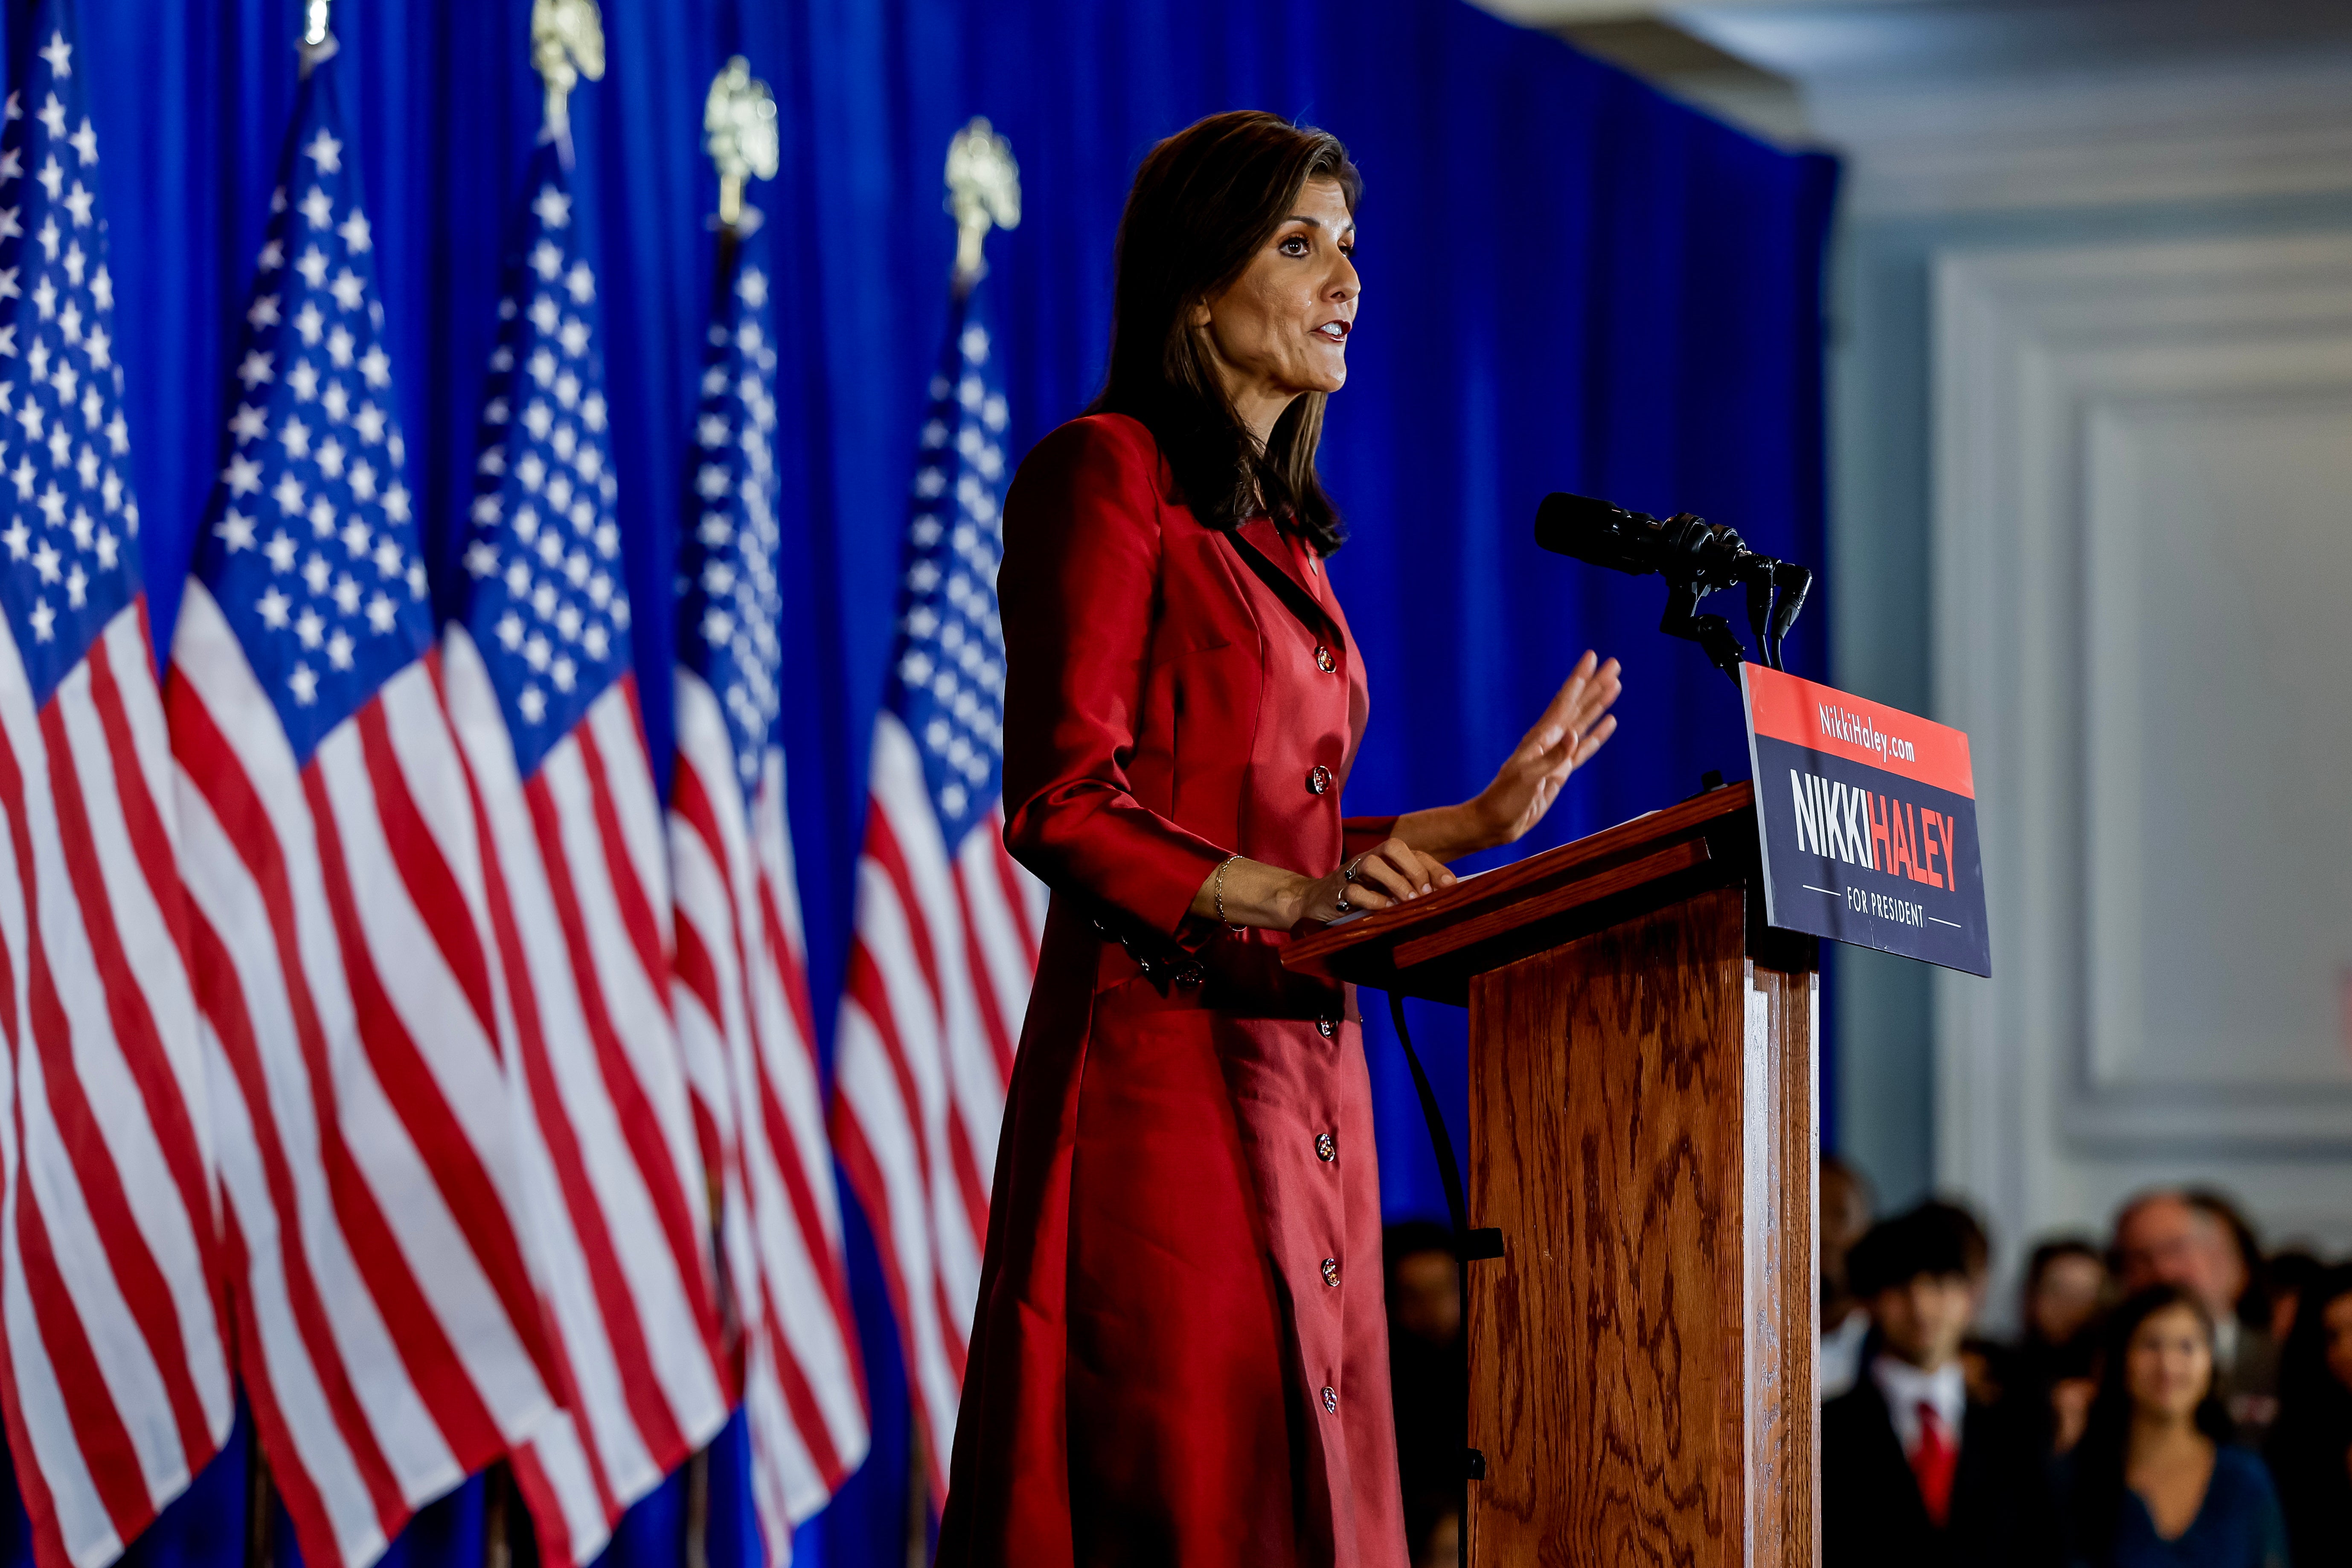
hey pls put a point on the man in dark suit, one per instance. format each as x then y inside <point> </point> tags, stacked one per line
<point>1914,1472</point>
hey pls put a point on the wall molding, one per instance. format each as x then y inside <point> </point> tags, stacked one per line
<point>2044,360</point>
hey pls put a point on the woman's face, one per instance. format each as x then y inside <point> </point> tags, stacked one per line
<point>1281,327</point>
<point>2168,1365</point>
<point>2336,1322</point>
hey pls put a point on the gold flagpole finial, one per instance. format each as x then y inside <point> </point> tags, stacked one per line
<point>567,42</point>
<point>739,129</point>
<point>316,43</point>
<point>984,192</point>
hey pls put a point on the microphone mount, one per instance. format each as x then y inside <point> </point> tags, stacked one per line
<point>1696,558</point>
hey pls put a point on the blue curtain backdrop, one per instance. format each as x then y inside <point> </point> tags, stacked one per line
<point>1571,283</point>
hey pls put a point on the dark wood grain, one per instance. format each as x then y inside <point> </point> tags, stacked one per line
<point>1642,1357</point>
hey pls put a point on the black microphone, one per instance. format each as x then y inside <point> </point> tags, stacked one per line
<point>1599,533</point>
<point>1694,556</point>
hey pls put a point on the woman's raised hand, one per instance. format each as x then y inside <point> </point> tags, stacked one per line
<point>1575,724</point>
<point>1388,874</point>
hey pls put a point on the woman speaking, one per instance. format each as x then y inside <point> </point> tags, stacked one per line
<point>1178,1355</point>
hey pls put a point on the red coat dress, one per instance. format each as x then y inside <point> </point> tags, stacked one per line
<point>1179,1355</point>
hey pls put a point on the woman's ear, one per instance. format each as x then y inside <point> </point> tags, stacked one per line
<point>1198,316</point>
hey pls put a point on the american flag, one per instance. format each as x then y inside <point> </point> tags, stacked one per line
<point>113,1368</point>
<point>545,706</point>
<point>390,1336</point>
<point>948,925</point>
<point>743,1010</point>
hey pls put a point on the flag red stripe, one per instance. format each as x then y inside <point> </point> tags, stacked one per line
<point>424,871</point>
<point>555,1131</point>
<point>863,985</point>
<point>136,1272</point>
<point>638,1123</point>
<point>1016,897</point>
<point>790,973</point>
<point>439,1376</point>
<point>785,1150</point>
<point>233,1027</point>
<point>97,1428</point>
<point>628,893</point>
<point>808,1418</point>
<point>970,1179</point>
<point>787,1144</point>
<point>984,997</point>
<point>648,1406</point>
<point>99,1431</point>
<point>305,1506</point>
<point>211,766</point>
<point>856,1157</point>
<point>31,1486</point>
<point>693,968</point>
<point>882,848</point>
<point>167,1110</point>
<point>474,1200</point>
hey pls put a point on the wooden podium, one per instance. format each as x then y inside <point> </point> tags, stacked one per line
<point>1642,1078</point>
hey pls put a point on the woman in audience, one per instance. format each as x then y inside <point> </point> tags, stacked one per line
<point>2311,1446</point>
<point>2066,1287</point>
<point>2155,1482</point>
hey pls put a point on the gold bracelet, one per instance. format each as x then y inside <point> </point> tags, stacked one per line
<point>1220,888</point>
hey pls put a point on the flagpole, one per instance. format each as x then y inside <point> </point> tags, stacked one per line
<point>260,1500</point>
<point>739,127</point>
<point>316,45</point>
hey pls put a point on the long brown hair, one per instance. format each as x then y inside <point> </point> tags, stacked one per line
<point>1204,201</point>
<point>2096,1497</point>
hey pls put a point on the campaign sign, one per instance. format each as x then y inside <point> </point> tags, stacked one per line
<point>1869,821</point>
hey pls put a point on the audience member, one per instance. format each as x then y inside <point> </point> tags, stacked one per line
<point>2065,1289</point>
<point>2156,1481</point>
<point>1429,1379</point>
<point>2252,1273</point>
<point>2287,1273</point>
<point>1914,1471</point>
<point>1847,1207</point>
<point>2198,1242</point>
<point>2311,1444</point>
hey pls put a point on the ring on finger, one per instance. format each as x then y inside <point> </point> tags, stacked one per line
<point>1348,874</point>
<point>1342,905</point>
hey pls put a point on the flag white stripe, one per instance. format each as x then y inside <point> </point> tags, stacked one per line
<point>143,710</point>
<point>619,1202</point>
<point>205,655</point>
<point>465,1067</point>
<point>749,1062</point>
<point>936,1195</point>
<point>404,948</point>
<point>224,893</point>
<point>612,720</point>
<point>81,1516</point>
<point>865,1086</point>
<point>129,1371</point>
<point>151,956</point>
<point>642,1030</point>
<point>293,1378</point>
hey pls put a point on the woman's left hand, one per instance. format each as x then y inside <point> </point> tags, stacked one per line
<point>1576,725</point>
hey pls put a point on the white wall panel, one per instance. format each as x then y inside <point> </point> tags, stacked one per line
<point>2143,563</point>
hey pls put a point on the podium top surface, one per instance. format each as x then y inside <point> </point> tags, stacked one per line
<point>1431,946</point>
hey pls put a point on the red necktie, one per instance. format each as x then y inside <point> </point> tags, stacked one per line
<point>1933,1462</point>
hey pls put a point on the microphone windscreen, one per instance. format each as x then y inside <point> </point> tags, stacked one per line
<point>1595,532</point>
